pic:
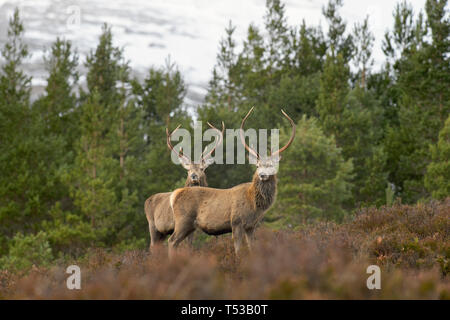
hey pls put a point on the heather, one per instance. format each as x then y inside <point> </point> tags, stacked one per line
<point>411,244</point>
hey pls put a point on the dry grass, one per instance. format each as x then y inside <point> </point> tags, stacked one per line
<point>322,261</point>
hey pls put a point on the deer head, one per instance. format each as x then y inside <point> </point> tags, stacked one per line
<point>196,171</point>
<point>267,165</point>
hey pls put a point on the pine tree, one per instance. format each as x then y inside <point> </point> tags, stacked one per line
<point>338,42</point>
<point>297,90</point>
<point>102,178</point>
<point>332,100</point>
<point>437,178</point>
<point>223,85</point>
<point>363,50</point>
<point>160,97</point>
<point>58,116</point>
<point>56,112</point>
<point>354,119</point>
<point>58,105</point>
<point>14,123</point>
<point>309,48</point>
<point>364,132</point>
<point>15,85</point>
<point>423,79</point>
<point>27,182</point>
<point>278,38</point>
<point>397,46</point>
<point>105,65</point>
<point>353,115</point>
<point>314,178</point>
<point>92,188</point>
<point>403,37</point>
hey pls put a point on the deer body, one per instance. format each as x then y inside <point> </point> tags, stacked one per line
<point>157,207</point>
<point>204,208</point>
<point>157,210</point>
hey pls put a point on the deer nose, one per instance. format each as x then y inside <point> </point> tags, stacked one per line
<point>263,176</point>
<point>194,176</point>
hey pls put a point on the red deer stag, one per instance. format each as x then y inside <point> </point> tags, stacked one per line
<point>157,207</point>
<point>237,210</point>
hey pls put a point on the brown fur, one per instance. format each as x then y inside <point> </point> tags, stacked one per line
<point>157,208</point>
<point>217,211</point>
<point>159,212</point>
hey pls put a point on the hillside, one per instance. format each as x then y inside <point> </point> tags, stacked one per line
<point>411,244</point>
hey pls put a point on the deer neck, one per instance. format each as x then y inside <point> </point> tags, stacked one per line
<point>263,192</point>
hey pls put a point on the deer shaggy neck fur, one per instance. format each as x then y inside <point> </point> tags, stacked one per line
<point>263,192</point>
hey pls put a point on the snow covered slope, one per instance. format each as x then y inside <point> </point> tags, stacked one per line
<point>150,30</point>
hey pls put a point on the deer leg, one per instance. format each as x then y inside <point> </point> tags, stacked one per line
<point>155,236</point>
<point>182,230</point>
<point>237,234</point>
<point>190,239</point>
<point>249,236</point>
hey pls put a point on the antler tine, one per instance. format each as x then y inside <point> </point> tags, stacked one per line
<point>169,144</point>
<point>219,141</point>
<point>292,134</point>
<point>241,133</point>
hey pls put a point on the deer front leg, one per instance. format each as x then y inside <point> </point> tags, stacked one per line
<point>249,236</point>
<point>183,228</point>
<point>237,234</point>
<point>190,240</point>
<point>155,236</point>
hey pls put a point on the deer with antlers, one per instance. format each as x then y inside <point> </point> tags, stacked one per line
<point>237,210</point>
<point>157,207</point>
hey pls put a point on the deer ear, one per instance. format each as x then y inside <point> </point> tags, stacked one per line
<point>185,163</point>
<point>276,158</point>
<point>206,163</point>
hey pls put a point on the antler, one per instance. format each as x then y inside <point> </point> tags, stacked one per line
<point>241,133</point>
<point>290,139</point>
<point>219,141</point>
<point>254,152</point>
<point>204,155</point>
<point>169,144</point>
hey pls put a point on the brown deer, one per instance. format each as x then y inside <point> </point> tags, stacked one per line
<point>157,207</point>
<point>237,210</point>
